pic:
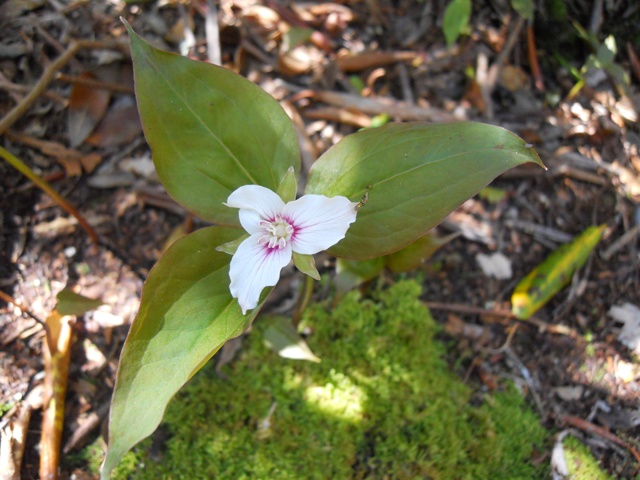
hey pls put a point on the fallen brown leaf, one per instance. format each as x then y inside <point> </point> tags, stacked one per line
<point>87,106</point>
<point>121,125</point>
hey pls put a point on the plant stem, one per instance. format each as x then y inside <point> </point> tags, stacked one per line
<point>48,189</point>
<point>305,295</point>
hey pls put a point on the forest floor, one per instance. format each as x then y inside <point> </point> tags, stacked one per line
<point>576,366</point>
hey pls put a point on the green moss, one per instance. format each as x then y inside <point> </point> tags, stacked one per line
<point>382,404</point>
<point>582,465</point>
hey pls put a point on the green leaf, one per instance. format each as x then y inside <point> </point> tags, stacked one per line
<point>555,272</point>
<point>294,37</point>
<point>524,7</point>
<point>418,174</point>
<point>306,264</point>
<point>351,273</point>
<point>456,19</point>
<point>288,186</point>
<point>70,303</point>
<point>414,255</point>
<point>231,247</point>
<point>186,314</point>
<point>210,130</point>
<point>492,195</point>
<point>282,337</point>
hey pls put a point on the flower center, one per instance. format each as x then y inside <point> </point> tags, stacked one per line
<point>277,233</point>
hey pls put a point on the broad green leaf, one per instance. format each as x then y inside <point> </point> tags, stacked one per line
<point>282,337</point>
<point>186,314</point>
<point>288,186</point>
<point>351,273</point>
<point>417,175</point>
<point>210,130</point>
<point>414,255</point>
<point>555,272</point>
<point>231,247</point>
<point>524,7</point>
<point>456,19</point>
<point>306,264</point>
<point>70,303</point>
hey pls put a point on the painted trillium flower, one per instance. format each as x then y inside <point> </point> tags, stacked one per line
<point>307,226</point>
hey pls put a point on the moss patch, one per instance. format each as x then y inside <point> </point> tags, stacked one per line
<point>382,404</point>
<point>582,465</point>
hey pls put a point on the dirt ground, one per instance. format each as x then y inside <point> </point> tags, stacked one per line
<point>573,365</point>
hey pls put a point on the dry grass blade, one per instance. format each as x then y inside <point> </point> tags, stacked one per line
<point>66,206</point>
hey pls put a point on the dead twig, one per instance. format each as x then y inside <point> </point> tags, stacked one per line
<point>9,299</point>
<point>17,89</point>
<point>377,106</point>
<point>488,83</point>
<point>591,428</point>
<point>48,75</point>
<point>212,30</point>
<point>93,420</point>
<point>628,237</point>
<point>348,62</point>
<point>512,332</point>
<point>533,58</point>
<point>542,325</point>
<point>535,229</point>
<point>89,82</point>
<point>308,152</point>
<point>340,115</point>
<point>635,63</point>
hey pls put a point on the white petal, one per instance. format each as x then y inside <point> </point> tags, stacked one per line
<point>250,221</point>
<point>319,222</point>
<point>261,200</point>
<point>254,267</point>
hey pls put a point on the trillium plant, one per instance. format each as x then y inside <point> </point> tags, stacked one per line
<point>225,150</point>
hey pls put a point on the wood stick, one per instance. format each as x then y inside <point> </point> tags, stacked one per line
<point>591,428</point>
<point>377,106</point>
<point>542,325</point>
<point>533,58</point>
<point>9,299</point>
<point>89,82</point>
<point>47,76</point>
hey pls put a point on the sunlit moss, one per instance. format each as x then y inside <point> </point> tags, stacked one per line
<point>381,404</point>
<point>341,397</point>
<point>582,465</point>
